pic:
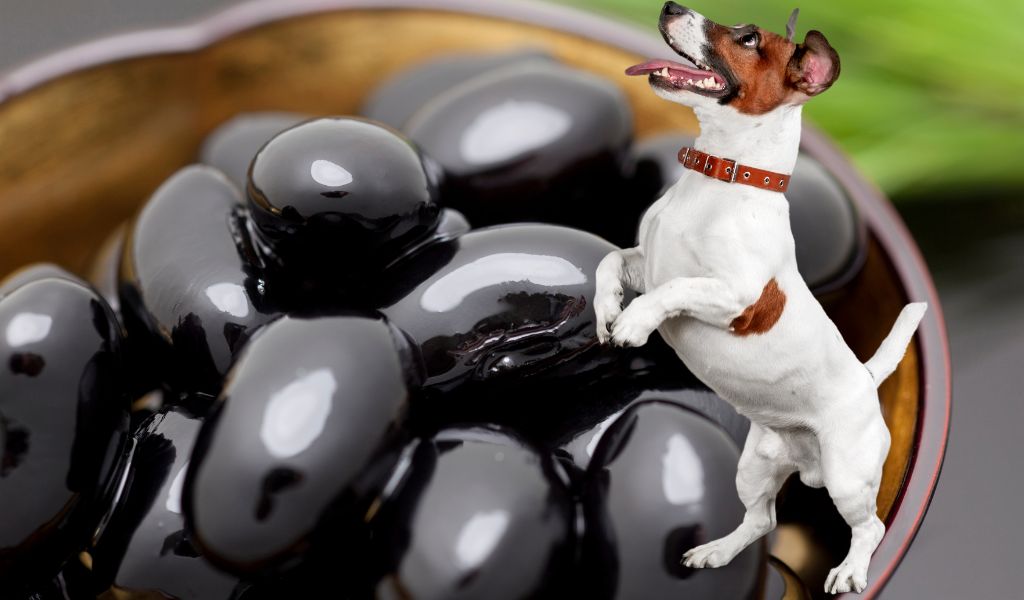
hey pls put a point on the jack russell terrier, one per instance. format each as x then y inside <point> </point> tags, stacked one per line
<point>717,271</point>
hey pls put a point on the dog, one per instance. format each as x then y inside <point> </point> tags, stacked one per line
<point>716,271</point>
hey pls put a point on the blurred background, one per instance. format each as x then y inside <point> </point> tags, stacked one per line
<point>930,106</point>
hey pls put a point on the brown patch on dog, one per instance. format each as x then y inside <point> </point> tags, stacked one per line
<point>761,73</point>
<point>777,72</point>
<point>762,315</point>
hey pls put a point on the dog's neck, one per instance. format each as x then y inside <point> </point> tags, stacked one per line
<point>769,141</point>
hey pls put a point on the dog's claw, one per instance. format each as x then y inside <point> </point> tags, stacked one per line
<point>607,309</point>
<point>847,577</point>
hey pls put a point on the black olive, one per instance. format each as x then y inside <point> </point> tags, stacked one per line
<point>233,144</point>
<point>399,97</point>
<point>532,142</point>
<point>472,513</point>
<point>144,546</point>
<point>63,424</point>
<point>662,481</point>
<point>339,198</point>
<point>501,304</point>
<point>303,436</point>
<point>657,164</point>
<point>34,272</point>
<point>573,431</point>
<point>189,297</point>
<point>106,265</point>
<point>830,238</point>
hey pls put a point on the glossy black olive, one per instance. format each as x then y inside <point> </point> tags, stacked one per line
<point>505,302</point>
<point>830,239</point>
<point>657,163</point>
<point>74,582</point>
<point>661,481</point>
<point>472,513</point>
<point>63,424</point>
<point>106,264</point>
<point>31,273</point>
<point>340,198</point>
<point>531,142</point>
<point>451,225</point>
<point>573,433</point>
<point>304,434</point>
<point>144,546</point>
<point>189,299</point>
<point>233,144</point>
<point>397,98</point>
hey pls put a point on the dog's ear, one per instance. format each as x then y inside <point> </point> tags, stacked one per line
<point>814,66</point>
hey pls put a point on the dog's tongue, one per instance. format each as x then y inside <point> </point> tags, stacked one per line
<point>658,64</point>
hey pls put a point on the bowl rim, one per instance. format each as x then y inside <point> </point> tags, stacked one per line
<point>881,217</point>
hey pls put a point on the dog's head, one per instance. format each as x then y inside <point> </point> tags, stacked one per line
<point>744,67</point>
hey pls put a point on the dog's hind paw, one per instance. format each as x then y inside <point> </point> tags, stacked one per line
<point>847,577</point>
<point>711,555</point>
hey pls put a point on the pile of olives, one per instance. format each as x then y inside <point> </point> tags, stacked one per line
<point>355,357</point>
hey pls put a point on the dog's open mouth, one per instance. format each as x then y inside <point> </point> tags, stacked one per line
<point>667,73</point>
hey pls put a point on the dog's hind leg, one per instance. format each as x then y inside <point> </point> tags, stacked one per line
<point>852,467</point>
<point>762,470</point>
<point>619,270</point>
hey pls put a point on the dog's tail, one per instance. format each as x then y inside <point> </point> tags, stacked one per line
<point>889,354</point>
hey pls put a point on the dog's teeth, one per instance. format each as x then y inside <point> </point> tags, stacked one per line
<point>699,84</point>
<point>664,72</point>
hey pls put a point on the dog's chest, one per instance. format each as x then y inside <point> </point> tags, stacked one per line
<point>681,260</point>
<point>686,236</point>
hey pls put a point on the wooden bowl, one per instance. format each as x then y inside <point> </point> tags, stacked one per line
<point>89,132</point>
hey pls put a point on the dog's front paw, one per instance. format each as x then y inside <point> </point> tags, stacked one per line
<point>607,308</point>
<point>634,325</point>
<point>847,577</point>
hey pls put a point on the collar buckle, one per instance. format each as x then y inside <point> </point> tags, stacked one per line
<point>731,169</point>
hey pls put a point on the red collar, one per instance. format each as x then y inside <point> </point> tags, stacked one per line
<point>726,169</point>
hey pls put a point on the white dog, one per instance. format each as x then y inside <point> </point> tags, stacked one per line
<point>717,272</point>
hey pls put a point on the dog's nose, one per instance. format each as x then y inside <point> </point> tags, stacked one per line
<point>672,9</point>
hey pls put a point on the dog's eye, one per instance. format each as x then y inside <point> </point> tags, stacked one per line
<point>749,40</point>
